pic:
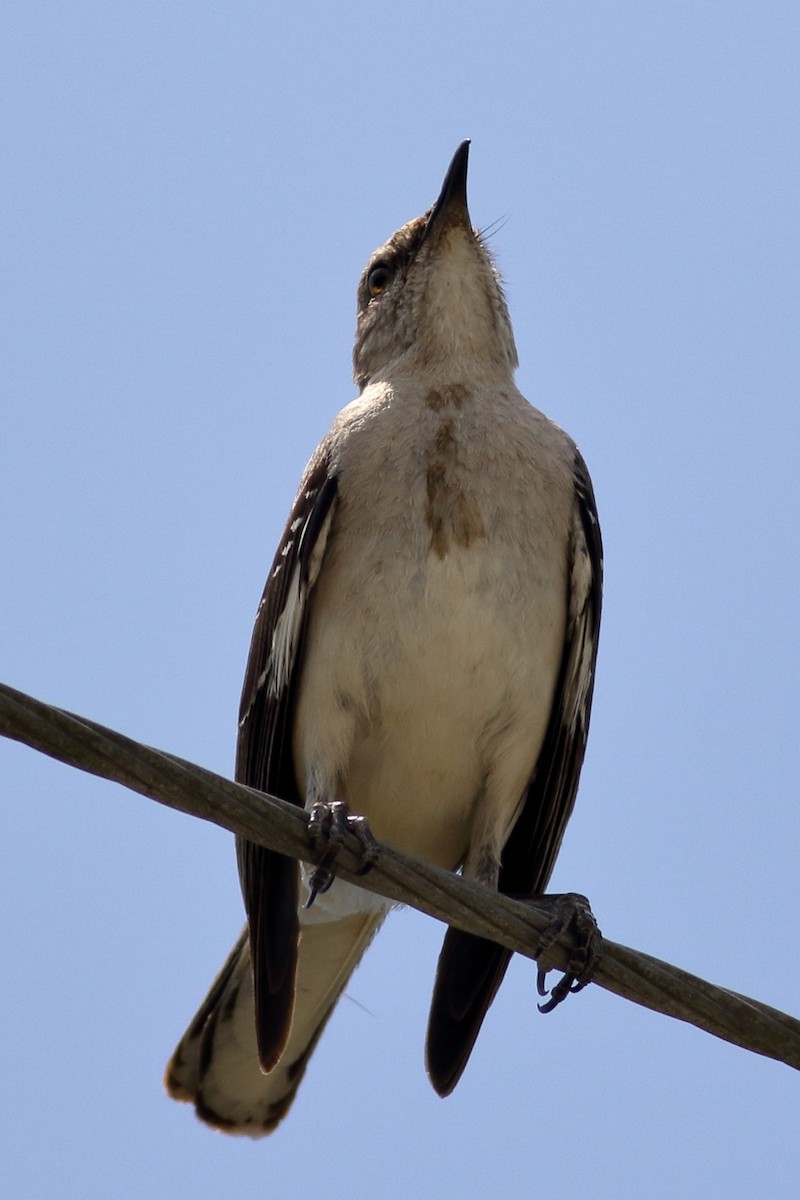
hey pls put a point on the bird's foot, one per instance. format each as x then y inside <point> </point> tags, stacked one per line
<point>328,823</point>
<point>573,917</point>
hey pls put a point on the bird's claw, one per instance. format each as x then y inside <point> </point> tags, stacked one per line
<point>574,917</point>
<point>328,823</point>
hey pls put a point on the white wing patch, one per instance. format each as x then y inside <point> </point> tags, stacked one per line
<point>284,639</point>
<point>581,672</point>
<point>289,624</point>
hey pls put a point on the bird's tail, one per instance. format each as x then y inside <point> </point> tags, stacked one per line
<point>215,1066</point>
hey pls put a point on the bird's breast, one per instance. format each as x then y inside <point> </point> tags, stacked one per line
<point>435,633</point>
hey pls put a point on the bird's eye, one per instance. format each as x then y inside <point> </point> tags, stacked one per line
<point>378,279</point>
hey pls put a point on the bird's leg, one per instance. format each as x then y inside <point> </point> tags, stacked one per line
<point>572,916</point>
<point>329,821</point>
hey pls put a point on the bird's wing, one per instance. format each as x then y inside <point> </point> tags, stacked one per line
<point>264,750</point>
<point>471,969</point>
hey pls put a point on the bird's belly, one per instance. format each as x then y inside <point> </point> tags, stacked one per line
<point>428,694</point>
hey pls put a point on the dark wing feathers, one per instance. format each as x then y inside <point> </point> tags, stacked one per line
<point>264,751</point>
<point>471,969</point>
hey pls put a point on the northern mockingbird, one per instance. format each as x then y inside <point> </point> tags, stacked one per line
<point>424,651</point>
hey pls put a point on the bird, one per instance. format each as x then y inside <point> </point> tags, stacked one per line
<point>424,654</point>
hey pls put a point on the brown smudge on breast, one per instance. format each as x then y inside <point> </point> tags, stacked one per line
<point>450,394</point>
<point>451,515</point>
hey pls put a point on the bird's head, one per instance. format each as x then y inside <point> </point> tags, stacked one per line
<point>431,295</point>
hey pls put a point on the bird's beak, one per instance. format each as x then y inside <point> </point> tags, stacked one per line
<point>451,207</point>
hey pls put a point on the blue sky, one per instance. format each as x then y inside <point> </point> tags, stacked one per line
<point>189,194</point>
